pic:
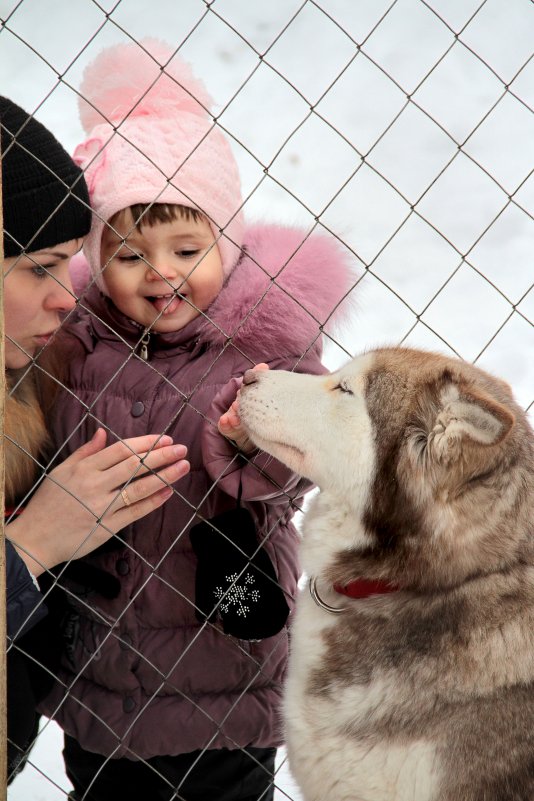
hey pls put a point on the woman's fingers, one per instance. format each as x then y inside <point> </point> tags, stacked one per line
<point>143,487</point>
<point>145,494</point>
<point>129,514</point>
<point>136,466</point>
<point>95,444</point>
<point>93,483</point>
<point>121,451</point>
<point>61,521</point>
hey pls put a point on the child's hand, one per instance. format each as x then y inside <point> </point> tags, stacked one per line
<point>230,422</point>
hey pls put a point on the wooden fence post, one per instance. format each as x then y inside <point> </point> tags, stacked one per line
<point>3,640</point>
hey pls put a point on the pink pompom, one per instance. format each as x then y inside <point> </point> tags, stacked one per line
<point>139,79</point>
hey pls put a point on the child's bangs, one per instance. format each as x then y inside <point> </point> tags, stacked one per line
<point>154,213</point>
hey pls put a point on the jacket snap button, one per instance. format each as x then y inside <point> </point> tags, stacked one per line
<point>128,704</point>
<point>137,409</point>
<point>123,568</point>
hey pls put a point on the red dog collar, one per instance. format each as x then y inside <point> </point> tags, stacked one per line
<point>361,588</point>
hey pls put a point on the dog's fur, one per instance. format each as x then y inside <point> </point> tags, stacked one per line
<point>425,467</point>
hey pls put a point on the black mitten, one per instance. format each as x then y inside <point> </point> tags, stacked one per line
<point>235,580</point>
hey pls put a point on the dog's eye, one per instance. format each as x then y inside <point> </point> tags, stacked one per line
<point>342,386</point>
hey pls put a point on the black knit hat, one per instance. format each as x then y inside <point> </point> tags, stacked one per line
<point>45,197</point>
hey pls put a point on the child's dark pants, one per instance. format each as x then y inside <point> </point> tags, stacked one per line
<point>214,775</point>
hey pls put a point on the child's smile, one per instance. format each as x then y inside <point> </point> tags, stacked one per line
<point>166,304</point>
<point>162,275</point>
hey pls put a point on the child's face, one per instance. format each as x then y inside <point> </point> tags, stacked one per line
<point>144,272</point>
<point>37,290</point>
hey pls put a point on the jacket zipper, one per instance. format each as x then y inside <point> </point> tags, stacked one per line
<point>143,346</point>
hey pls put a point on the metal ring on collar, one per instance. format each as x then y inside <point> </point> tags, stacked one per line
<point>319,601</point>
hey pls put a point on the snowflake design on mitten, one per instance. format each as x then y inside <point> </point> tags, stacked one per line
<point>237,596</point>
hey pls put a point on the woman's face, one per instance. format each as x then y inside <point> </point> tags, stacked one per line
<point>37,289</point>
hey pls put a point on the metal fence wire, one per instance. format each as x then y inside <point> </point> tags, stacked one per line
<point>403,129</point>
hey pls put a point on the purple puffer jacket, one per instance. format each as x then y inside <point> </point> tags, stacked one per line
<point>144,676</point>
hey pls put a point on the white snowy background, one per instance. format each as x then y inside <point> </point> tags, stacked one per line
<point>404,127</point>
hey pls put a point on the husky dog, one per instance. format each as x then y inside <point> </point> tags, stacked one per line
<point>411,675</point>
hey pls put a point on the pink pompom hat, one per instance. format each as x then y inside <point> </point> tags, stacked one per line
<point>150,139</point>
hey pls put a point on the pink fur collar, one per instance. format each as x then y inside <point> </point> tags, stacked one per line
<point>287,287</point>
<point>283,291</point>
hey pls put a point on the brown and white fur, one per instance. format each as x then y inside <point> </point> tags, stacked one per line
<point>425,466</point>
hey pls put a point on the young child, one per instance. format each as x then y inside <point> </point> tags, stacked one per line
<point>172,671</point>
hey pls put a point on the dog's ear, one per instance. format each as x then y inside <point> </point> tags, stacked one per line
<point>468,416</point>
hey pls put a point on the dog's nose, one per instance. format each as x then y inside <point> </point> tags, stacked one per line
<point>250,377</point>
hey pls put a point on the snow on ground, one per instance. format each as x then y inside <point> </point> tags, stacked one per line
<point>352,113</point>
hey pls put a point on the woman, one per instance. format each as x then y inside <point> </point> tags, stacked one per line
<point>53,517</point>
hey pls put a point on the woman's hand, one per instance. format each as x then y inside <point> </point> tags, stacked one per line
<point>230,422</point>
<point>93,494</point>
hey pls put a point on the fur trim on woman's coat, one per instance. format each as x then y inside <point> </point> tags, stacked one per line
<point>25,439</point>
<point>25,434</point>
<point>145,676</point>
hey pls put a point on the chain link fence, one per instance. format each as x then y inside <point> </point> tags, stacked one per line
<point>404,129</point>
